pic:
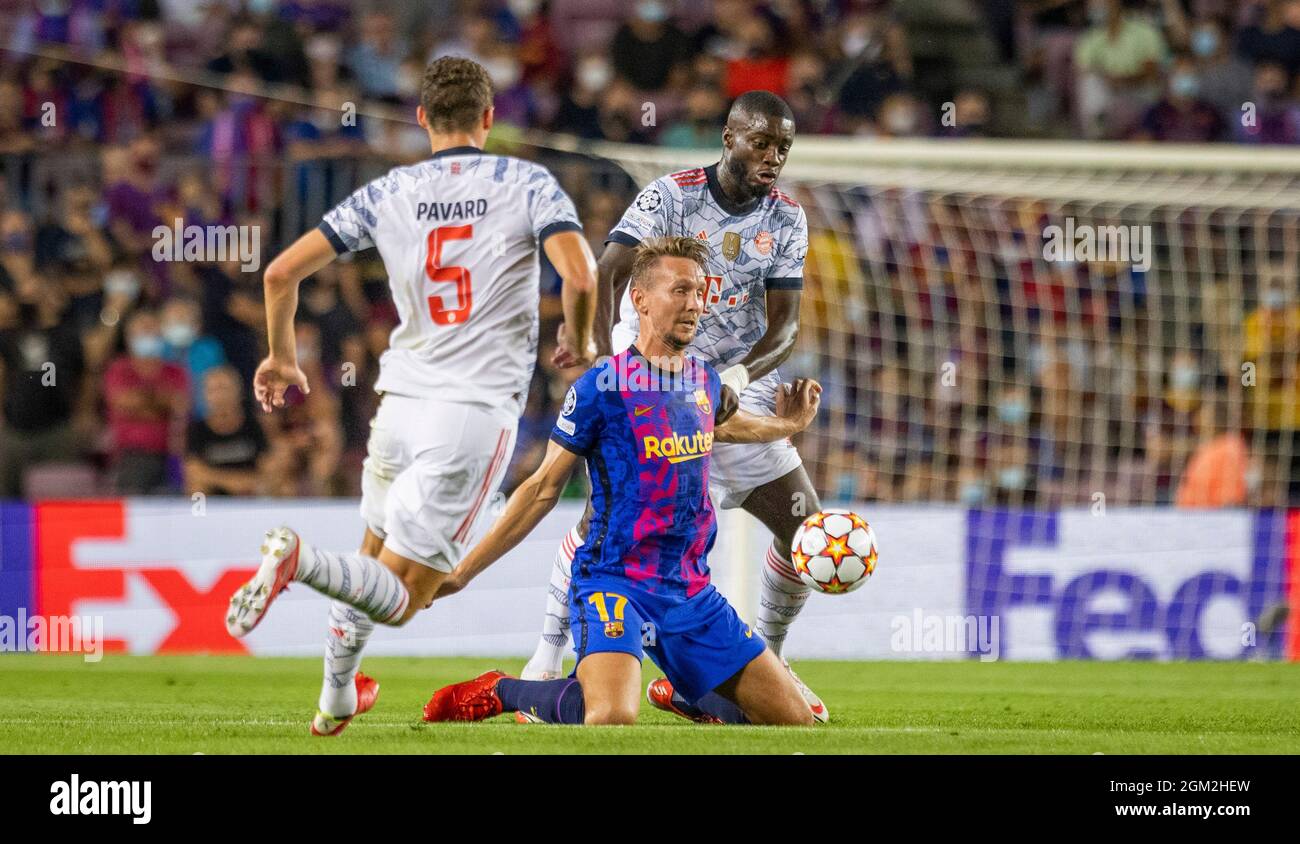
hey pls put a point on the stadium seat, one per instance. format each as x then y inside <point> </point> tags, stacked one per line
<point>60,480</point>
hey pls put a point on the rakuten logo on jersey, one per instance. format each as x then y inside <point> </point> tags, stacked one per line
<point>677,448</point>
<point>1138,584</point>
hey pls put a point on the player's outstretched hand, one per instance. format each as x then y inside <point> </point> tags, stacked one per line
<point>799,401</point>
<point>566,355</point>
<point>273,378</point>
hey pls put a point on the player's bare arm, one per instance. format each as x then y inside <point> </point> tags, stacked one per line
<point>613,269</point>
<point>778,341</point>
<point>796,407</point>
<point>529,504</point>
<point>279,370</point>
<point>572,258</point>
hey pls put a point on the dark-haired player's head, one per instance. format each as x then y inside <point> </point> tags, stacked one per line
<point>456,99</point>
<point>756,141</point>
<point>668,288</point>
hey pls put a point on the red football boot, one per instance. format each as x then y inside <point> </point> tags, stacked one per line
<point>367,694</point>
<point>473,700</point>
<point>660,695</point>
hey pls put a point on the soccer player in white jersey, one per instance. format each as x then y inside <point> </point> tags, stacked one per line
<point>758,237</point>
<point>458,235</point>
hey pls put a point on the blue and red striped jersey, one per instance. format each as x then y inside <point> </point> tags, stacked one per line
<point>647,434</point>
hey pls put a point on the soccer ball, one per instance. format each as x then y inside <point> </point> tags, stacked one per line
<point>834,551</point>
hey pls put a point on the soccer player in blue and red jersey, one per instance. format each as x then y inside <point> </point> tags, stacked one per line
<point>645,420</point>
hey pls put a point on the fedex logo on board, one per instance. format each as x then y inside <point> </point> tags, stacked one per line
<point>130,564</point>
<point>1134,584</point>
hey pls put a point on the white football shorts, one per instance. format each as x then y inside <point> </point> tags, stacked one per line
<point>431,471</point>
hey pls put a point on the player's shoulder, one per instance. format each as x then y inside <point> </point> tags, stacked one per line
<point>690,179</point>
<point>519,170</point>
<point>670,187</point>
<point>783,203</point>
<point>595,380</point>
<point>473,164</point>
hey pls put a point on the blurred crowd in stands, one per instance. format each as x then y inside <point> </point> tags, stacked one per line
<point>122,373</point>
<point>959,364</point>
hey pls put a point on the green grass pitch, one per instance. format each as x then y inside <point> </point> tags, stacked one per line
<point>184,705</point>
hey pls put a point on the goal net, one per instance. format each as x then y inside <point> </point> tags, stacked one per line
<point>1029,334</point>
<point>1045,325</point>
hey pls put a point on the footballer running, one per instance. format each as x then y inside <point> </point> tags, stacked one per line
<point>458,235</point>
<point>757,238</point>
<point>646,421</point>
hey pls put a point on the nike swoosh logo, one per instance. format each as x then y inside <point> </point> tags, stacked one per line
<point>642,411</point>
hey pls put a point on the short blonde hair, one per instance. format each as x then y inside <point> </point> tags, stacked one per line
<point>654,248</point>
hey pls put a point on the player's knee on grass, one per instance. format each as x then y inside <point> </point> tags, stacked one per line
<point>611,687</point>
<point>767,695</point>
<point>612,714</point>
<point>791,711</point>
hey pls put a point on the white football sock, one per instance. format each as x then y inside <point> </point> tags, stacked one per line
<point>348,631</point>
<point>551,647</point>
<point>780,599</point>
<point>360,581</point>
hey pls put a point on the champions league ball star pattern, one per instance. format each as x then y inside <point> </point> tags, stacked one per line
<point>834,551</point>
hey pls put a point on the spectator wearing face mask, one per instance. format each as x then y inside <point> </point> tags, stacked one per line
<point>185,345</point>
<point>376,60</point>
<point>513,102</point>
<point>1014,484</point>
<point>763,63</point>
<point>1225,78</point>
<point>1171,424</point>
<point>1181,116</point>
<point>876,62</point>
<point>148,401</point>
<point>1118,62</point>
<point>900,116</point>
<point>647,47</point>
<point>970,116</point>
<point>579,110</point>
<point>701,125</point>
<point>542,59</point>
<point>807,95</point>
<point>226,452</point>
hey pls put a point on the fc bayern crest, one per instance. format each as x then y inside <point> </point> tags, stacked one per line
<point>649,199</point>
<point>570,401</point>
<point>763,243</point>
